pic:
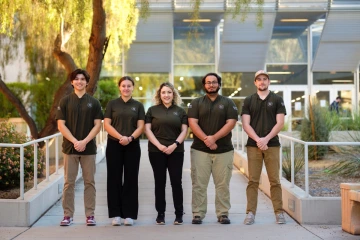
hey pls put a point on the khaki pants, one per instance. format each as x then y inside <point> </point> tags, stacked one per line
<point>256,157</point>
<point>71,167</point>
<point>202,166</point>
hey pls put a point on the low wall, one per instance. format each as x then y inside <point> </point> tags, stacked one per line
<point>24,213</point>
<point>305,210</point>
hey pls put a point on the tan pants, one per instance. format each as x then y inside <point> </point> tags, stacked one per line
<point>256,157</point>
<point>71,167</point>
<point>202,166</point>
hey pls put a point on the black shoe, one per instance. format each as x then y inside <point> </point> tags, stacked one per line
<point>178,219</point>
<point>160,220</point>
<point>224,219</point>
<point>196,220</point>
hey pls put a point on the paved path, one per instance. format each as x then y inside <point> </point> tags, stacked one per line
<point>145,228</point>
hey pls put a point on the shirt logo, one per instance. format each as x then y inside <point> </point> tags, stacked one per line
<point>282,103</point>
<point>175,113</point>
<point>190,106</point>
<point>221,106</point>
<point>270,104</point>
<point>134,109</point>
<point>235,108</point>
<point>89,105</point>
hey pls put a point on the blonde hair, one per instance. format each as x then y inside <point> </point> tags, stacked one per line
<point>176,100</point>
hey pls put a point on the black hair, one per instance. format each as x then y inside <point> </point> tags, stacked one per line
<point>72,75</point>
<point>126,78</point>
<point>211,74</point>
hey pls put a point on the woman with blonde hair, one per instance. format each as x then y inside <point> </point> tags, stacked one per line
<point>166,128</point>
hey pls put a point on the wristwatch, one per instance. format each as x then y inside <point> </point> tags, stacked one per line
<point>132,138</point>
<point>177,143</point>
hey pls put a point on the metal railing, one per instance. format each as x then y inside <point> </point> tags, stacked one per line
<point>100,139</point>
<point>292,140</point>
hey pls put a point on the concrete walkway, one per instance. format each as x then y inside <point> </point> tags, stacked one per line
<point>47,227</point>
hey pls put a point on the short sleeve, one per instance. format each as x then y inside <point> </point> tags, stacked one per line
<point>61,110</point>
<point>141,112</point>
<point>184,117</point>
<point>108,110</point>
<point>193,110</point>
<point>98,111</point>
<point>280,106</point>
<point>246,106</point>
<point>148,116</point>
<point>232,111</point>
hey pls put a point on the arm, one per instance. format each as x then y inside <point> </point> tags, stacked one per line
<point>179,139</point>
<point>229,125</point>
<point>194,125</point>
<point>138,131</point>
<point>150,135</point>
<point>274,131</point>
<point>110,129</point>
<point>65,131</point>
<point>81,145</point>
<point>245,119</point>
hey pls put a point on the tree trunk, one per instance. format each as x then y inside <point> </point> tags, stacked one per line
<point>20,107</point>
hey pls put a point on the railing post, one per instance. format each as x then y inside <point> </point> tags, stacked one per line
<point>292,164</point>
<point>237,135</point>
<point>35,165</point>
<point>306,169</point>
<point>47,160</point>
<point>22,172</point>
<point>57,155</point>
<point>280,160</point>
<point>242,139</point>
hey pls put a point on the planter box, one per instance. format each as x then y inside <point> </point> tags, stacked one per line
<point>350,207</point>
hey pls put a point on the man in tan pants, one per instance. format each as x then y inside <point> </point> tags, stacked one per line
<point>211,118</point>
<point>79,118</point>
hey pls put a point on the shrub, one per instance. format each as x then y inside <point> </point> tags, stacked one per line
<point>298,161</point>
<point>107,90</point>
<point>10,158</point>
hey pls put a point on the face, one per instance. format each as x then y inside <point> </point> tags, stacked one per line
<point>126,88</point>
<point>79,83</point>
<point>166,95</point>
<point>211,84</point>
<point>262,83</point>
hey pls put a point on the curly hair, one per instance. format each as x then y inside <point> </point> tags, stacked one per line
<point>176,100</point>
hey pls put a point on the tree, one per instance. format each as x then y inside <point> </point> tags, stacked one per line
<point>58,30</point>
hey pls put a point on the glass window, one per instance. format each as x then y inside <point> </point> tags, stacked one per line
<point>187,79</point>
<point>237,84</point>
<point>323,98</point>
<point>345,105</point>
<point>194,50</point>
<point>316,29</point>
<point>297,108</point>
<point>287,74</point>
<point>333,78</point>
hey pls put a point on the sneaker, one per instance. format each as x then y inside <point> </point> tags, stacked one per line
<point>90,221</point>
<point>280,218</point>
<point>223,219</point>
<point>249,219</point>
<point>116,221</point>
<point>128,222</point>
<point>196,220</point>
<point>178,220</point>
<point>67,221</point>
<point>160,220</point>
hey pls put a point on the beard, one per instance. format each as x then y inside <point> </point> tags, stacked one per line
<point>212,92</point>
<point>263,88</point>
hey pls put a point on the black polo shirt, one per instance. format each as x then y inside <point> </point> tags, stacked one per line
<point>166,125</point>
<point>263,115</point>
<point>79,115</point>
<point>212,116</point>
<point>124,115</point>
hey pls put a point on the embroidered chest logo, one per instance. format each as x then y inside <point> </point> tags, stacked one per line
<point>235,108</point>
<point>133,109</point>
<point>175,113</point>
<point>221,106</point>
<point>270,104</point>
<point>89,105</point>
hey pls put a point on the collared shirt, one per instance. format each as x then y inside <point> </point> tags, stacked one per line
<point>79,115</point>
<point>124,115</point>
<point>166,125</point>
<point>212,116</point>
<point>263,115</point>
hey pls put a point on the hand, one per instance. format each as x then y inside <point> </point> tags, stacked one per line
<point>124,140</point>
<point>213,147</point>
<point>264,148</point>
<point>80,146</point>
<point>209,140</point>
<point>261,143</point>
<point>170,149</point>
<point>162,148</point>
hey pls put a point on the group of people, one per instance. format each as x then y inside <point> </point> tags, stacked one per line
<point>211,119</point>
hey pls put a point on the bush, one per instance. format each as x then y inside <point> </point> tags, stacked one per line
<point>298,161</point>
<point>321,122</point>
<point>107,90</point>
<point>10,158</point>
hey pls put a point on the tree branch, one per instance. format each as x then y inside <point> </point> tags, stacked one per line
<point>20,107</point>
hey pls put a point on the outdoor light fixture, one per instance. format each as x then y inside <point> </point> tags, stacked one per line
<point>280,72</point>
<point>197,20</point>
<point>294,20</point>
<point>342,81</point>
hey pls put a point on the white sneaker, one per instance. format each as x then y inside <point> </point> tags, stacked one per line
<point>128,222</point>
<point>116,221</point>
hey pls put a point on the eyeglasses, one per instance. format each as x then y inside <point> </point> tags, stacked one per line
<point>211,83</point>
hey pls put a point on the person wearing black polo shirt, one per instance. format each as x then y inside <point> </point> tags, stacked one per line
<point>79,118</point>
<point>124,121</point>
<point>263,116</point>
<point>211,118</point>
<point>166,128</point>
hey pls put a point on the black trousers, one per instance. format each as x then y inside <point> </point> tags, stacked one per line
<point>174,163</point>
<point>122,179</point>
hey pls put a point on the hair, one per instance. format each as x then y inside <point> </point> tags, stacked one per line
<point>176,100</point>
<point>211,74</point>
<point>72,75</point>
<point>338,98</point>
<point>126,78</point>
